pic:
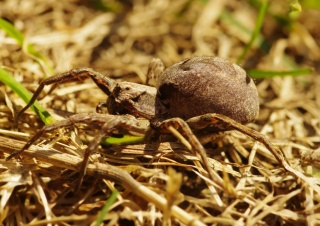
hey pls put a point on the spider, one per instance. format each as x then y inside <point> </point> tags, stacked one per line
<point>198,94</point>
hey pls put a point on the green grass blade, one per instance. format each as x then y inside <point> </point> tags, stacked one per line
<point>295,6</point>
<point>14,33</point>
<point>112,6</point>
<point>126,139</point>
<point>11,31</point>
<point>106,207</point>
<point>256,32</point>
<point>23,93</point>
<point>254,73</point>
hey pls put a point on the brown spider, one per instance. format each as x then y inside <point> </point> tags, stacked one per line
<point>197,94</point>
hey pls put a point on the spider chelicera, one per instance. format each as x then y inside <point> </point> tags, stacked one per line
<point>197,94</point>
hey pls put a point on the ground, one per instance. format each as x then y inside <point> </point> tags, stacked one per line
<point>167,185</point>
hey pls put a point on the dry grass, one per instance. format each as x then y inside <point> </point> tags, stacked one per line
<point>38,188</point>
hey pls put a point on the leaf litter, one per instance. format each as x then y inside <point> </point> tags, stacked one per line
<point>38,188</point>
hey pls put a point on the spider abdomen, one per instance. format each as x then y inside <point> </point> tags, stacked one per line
<point>207,84</point>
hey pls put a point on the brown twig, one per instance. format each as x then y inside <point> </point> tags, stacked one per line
<point>106,171</point>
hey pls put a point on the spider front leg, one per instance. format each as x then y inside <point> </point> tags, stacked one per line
<point>107,125</point>
<point>122,124</point>
<point>78,74</point>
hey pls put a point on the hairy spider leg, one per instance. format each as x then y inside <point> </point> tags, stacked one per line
<point>196,147</point>
<point>107,124</point>
<point>115,123</point>
<point>78,74</point>
<point>212,119</point>
<point>223,122</point>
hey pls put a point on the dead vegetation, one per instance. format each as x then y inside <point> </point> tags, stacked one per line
<point>37,189</point>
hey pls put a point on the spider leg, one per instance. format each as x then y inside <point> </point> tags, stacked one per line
<point>78,74</point>
<point>179,124</point>
<point>78,118</point>
<point>222,122</point>
<point>210,119</point>
<point>114,123</point>
<point>108,124</point>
